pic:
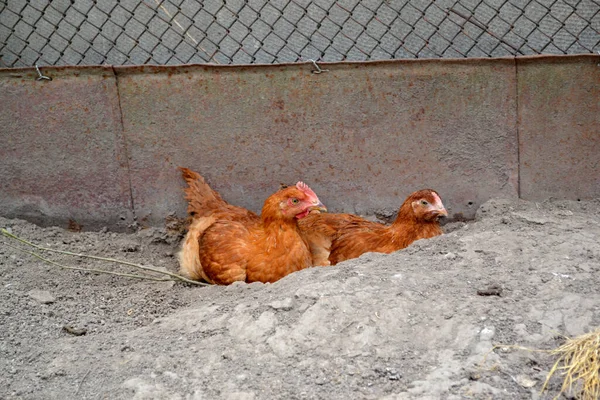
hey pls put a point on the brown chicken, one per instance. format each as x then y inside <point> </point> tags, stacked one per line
<point>226,243</point>
<point>337,237</point>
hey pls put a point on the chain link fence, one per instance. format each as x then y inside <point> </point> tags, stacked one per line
<point>120,32</point>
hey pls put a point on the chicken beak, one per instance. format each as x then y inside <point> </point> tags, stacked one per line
<point>317,207</point>
<point>441,212</point>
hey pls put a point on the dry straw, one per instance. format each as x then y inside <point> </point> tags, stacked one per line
<point>579,363</point>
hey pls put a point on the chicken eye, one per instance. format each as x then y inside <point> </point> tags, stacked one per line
<point>295,201</point>
<point>424,202</point>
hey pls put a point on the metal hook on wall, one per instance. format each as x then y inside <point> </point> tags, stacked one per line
<point>317,69</point>
<point>40,76</point>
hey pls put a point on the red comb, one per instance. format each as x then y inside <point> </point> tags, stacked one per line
<point>304,187</point>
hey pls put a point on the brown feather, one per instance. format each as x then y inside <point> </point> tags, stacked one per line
<point>203,201</point>
<point>319,230</point>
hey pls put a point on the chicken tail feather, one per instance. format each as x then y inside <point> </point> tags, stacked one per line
<point>202,200</point>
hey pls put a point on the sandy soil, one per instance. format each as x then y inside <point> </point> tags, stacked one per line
<point>409,325</point>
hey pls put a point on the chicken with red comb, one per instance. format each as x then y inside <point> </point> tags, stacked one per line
<point>226,243</point>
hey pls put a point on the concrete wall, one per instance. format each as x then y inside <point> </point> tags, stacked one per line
<point>100,145</point>
<point>62,151</point>
<point>559,128</point>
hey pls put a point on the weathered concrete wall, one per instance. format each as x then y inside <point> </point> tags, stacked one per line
<point>559,127</point>
<point>363,135</point>
<point>62,153</point>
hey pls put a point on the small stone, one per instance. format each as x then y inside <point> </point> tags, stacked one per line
<point>74,331</point>
<point>450,256</point>
<point>285,304</point>
<point>321,380</point>
<point>492,290</point>
<point>526,381</point>
<point>392,375</point>
<point>565,213</point>
<point>474,376</point>
<point>42,296</point>
<point>130,247</point>
<point>487,333</point>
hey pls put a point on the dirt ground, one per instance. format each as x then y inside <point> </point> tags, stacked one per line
<point>409,325</point>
